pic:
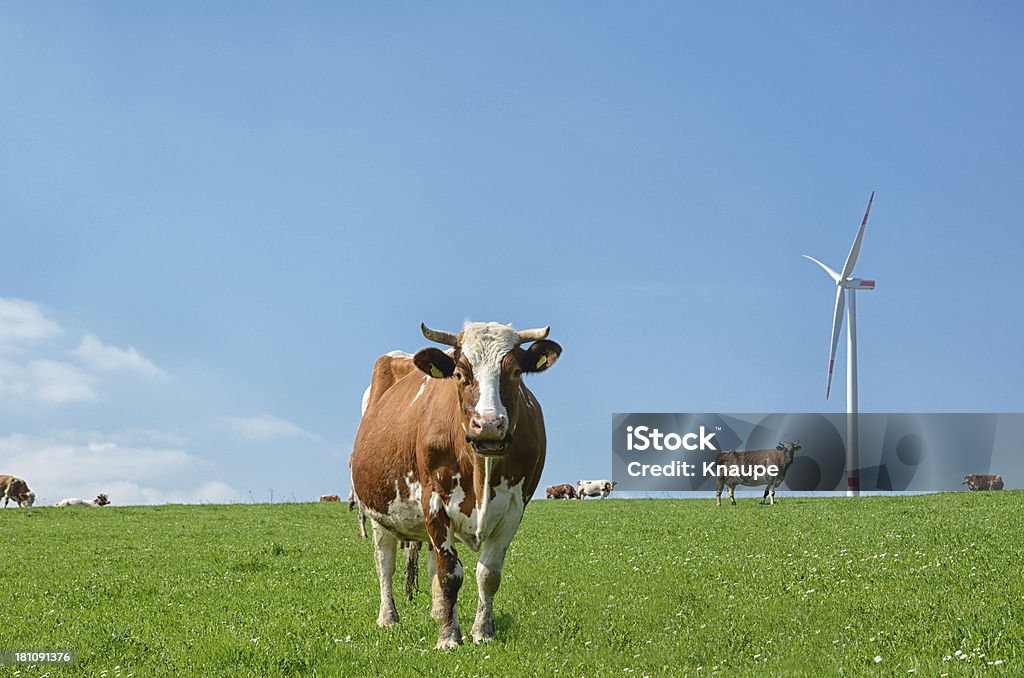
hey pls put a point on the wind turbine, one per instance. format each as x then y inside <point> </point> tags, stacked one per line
<point>846,285</point>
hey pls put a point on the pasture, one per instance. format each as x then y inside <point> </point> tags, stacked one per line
<point>889,586</point>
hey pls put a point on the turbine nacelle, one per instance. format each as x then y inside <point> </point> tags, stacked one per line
<point>859,284</point>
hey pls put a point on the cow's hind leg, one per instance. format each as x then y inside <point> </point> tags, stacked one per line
<point>385,549</point>
<point>362,519</point>
<point>436,598</point>
<point>767,489</point>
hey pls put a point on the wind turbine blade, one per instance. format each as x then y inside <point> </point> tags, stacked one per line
<point>832,274</point>
<point>837,325</point>
<point>851,260</point>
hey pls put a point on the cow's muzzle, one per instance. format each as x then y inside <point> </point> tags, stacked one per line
<point>488,431</point>
<point>489,448</point>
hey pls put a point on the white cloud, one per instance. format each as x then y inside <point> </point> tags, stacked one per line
<point>69,465</point>
<point>103,358</point>
<point>47,381</point>
<point>23,322</point>
<point>266,427</point>
<point>35,370</point>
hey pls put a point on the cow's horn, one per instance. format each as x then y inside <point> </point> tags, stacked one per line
<point>533,335</point>
<point>446,338</point>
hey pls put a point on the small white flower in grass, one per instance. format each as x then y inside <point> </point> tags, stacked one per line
<point>997,662</point>
<point>946,658</point>
<point>878,659</point>
<point>911,670</point>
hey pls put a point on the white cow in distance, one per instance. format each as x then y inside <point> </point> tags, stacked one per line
<point>594,488</point>
<point>100,500</point>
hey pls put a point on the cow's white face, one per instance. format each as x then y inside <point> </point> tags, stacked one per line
<point>487,365</point>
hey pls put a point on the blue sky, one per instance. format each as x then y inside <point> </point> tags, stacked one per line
<point>214,218</point>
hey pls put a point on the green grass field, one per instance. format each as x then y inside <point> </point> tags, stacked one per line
<point>616,588</point>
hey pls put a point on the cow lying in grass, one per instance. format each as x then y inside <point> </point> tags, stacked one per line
<point>563,491</point>
<point>100,500</point>
<point>979,481</point>
<point>13,487</point>
<point>594,488</point>
<point>753,468</point>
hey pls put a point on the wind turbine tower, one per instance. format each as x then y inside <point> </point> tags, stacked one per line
<point>848,286</point>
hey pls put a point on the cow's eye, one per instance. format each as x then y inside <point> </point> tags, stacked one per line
<point>516,372</point>
<point>460,376</point>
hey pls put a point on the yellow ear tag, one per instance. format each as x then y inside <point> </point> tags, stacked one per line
<point>543,359</point>
<point>434,372</point>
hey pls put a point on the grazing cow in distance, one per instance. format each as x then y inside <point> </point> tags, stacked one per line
<point>563,491</point>
<point>13,487</point>
<point>451,449</point>
<point>329,497</point>
<point>594,488</point>
<point>978,481</point>
<point>753,468</point>
<point>100,500</point>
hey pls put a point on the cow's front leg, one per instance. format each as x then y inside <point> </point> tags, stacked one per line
<point>448,579</point>
<point>732,494</point>
<point>385,548</point>
<point>488,578</point>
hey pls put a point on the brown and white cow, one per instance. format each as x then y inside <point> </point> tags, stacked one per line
<point>563,491</point>
<point>13,487</point>
<point>980,481</point>
<point>451,448</point>
<point>100,500</point>
<point>594,488</point>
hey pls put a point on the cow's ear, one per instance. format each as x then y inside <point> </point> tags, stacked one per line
<point>434,362</point>
<point>539,356</point>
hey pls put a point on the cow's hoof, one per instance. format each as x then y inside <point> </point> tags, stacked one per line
<point>449,642</point>
<point>484,637</point>
<point>386,620</point>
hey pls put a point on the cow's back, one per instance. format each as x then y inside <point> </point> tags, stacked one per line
<point>384,464</point>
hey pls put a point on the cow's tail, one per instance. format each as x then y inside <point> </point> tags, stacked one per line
<point>412,567</point>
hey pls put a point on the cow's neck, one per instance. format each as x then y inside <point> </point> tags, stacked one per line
<point>487,473</point>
